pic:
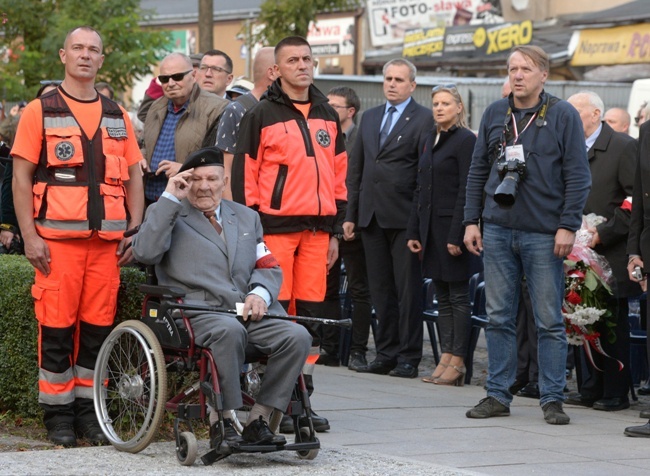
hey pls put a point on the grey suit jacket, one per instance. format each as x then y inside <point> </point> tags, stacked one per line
<point>188,253</point>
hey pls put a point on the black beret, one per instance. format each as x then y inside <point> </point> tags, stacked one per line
<point>202,158</point>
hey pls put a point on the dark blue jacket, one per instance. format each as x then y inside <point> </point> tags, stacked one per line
<point>554,192</point>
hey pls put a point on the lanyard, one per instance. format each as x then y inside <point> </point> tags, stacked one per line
<point>514,127</point>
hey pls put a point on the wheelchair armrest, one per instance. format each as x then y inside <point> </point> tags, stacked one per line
<point>162,291</point>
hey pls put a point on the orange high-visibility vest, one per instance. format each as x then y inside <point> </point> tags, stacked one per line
<point>79,182</point>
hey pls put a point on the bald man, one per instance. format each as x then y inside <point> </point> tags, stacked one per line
<point>182,121</point>
<point>618,119</point>
<point>263,76</point>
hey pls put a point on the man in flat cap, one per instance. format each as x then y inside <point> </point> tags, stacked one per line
<point>213,249</point>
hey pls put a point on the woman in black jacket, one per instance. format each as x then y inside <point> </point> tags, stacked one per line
<point>436,231</point>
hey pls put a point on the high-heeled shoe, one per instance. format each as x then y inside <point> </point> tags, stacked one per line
<point>457,381</point>
<point>435,377</point>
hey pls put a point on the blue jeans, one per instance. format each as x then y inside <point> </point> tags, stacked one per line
<point>507,254</point>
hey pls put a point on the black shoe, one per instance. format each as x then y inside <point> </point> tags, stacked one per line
<point>577,399</point>
<point>554,414</point>
<point>404,371</point>
<point>329,360</point>
<point>529,391</point>
<point>230,434</point>
<point>518,385</point>
<point>645,390</point>
<point>320,423</point>
<point>92,432</point>
<point>377,367</point>
<point>63,434</point>
<point>612,404</point>
<point>357,361</point>
<point>642,431</point>
<point>259,433</point>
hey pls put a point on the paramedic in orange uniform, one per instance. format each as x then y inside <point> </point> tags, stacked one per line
<point>77,186</point>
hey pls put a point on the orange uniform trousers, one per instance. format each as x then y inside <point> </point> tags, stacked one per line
<point>75,308</point>
<point>303,259</point>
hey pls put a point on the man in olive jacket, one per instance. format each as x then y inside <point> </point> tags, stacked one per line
<point>184,120</point>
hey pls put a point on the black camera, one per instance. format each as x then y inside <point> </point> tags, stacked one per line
<point>511,172</point>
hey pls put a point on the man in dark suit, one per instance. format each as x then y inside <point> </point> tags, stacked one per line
<point>346,103</point>
<point>638,244</point>
<point>612,161</point>
<point>213,249</point>
<point>382,176</point>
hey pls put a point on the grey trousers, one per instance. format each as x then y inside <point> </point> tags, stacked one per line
<point>285,343</point>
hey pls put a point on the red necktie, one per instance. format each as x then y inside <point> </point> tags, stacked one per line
<point>212,216</point>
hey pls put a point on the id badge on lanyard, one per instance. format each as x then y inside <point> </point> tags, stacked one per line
<point>516,151</point>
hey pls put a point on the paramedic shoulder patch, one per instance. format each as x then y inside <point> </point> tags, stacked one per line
<point>116,132</point>
<point>323,138</point>
<point>64,150</point>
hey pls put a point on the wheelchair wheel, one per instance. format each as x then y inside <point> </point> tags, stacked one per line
<point>304,436</point>
<point>130,386</point>
<point>188,448</point>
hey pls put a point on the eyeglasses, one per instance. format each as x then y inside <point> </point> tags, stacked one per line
<point>440,87</point>
<point>336,106</point>
<point>214,69</point>
<point>164,78</point>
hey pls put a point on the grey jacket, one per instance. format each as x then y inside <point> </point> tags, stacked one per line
<point>188,253</point>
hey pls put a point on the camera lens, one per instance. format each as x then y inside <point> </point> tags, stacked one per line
<point>506,192</point>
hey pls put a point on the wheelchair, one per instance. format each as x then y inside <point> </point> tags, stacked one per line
<point>130,385</point>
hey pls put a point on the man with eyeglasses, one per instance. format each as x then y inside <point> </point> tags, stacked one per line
<point>347,104</point>
<point>184,120</point>
<point>215,73</point>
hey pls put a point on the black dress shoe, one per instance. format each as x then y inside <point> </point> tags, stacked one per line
<point>404,371</point>
<point>357,361</point>
<point>320,423</point>
<point>377,367</point>
<point>92,432</point>
<point>642,431</point>
<point>529,391</point>
<point>518,385</point>
<point>645,390</point>
<point>328,360</point>
<point>259,433</point>
<point>230,434</point>
<point>577,399</point>
<point>612,404</point>
<point>63,434</point>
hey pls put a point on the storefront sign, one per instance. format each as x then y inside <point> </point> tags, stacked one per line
<point>466,41</point>
<point>332,37</point>
<point>609,46</point>
<point>390,19</point>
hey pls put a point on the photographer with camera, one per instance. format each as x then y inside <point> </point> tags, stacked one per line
<point>528,184</point>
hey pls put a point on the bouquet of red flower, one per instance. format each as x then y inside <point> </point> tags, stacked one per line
<point>587,277</point>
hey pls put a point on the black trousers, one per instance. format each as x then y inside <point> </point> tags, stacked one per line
<point>395,283</point>
<point>352,255</point>
<point>527,369</point>
<point>611,382</point>
<point>454,316</point>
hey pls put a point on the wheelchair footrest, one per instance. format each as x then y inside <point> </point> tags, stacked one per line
<point>303,446</point>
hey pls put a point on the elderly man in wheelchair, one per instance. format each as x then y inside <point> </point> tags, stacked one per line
<point>211,252</point>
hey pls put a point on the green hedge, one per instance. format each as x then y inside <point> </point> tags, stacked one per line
<point>18,331</point>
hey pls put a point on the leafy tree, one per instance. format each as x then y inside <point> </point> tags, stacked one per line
<point>291,17</point>
<point>34,31</point>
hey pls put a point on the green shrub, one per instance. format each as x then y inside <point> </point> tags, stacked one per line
<point>18,331</point>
